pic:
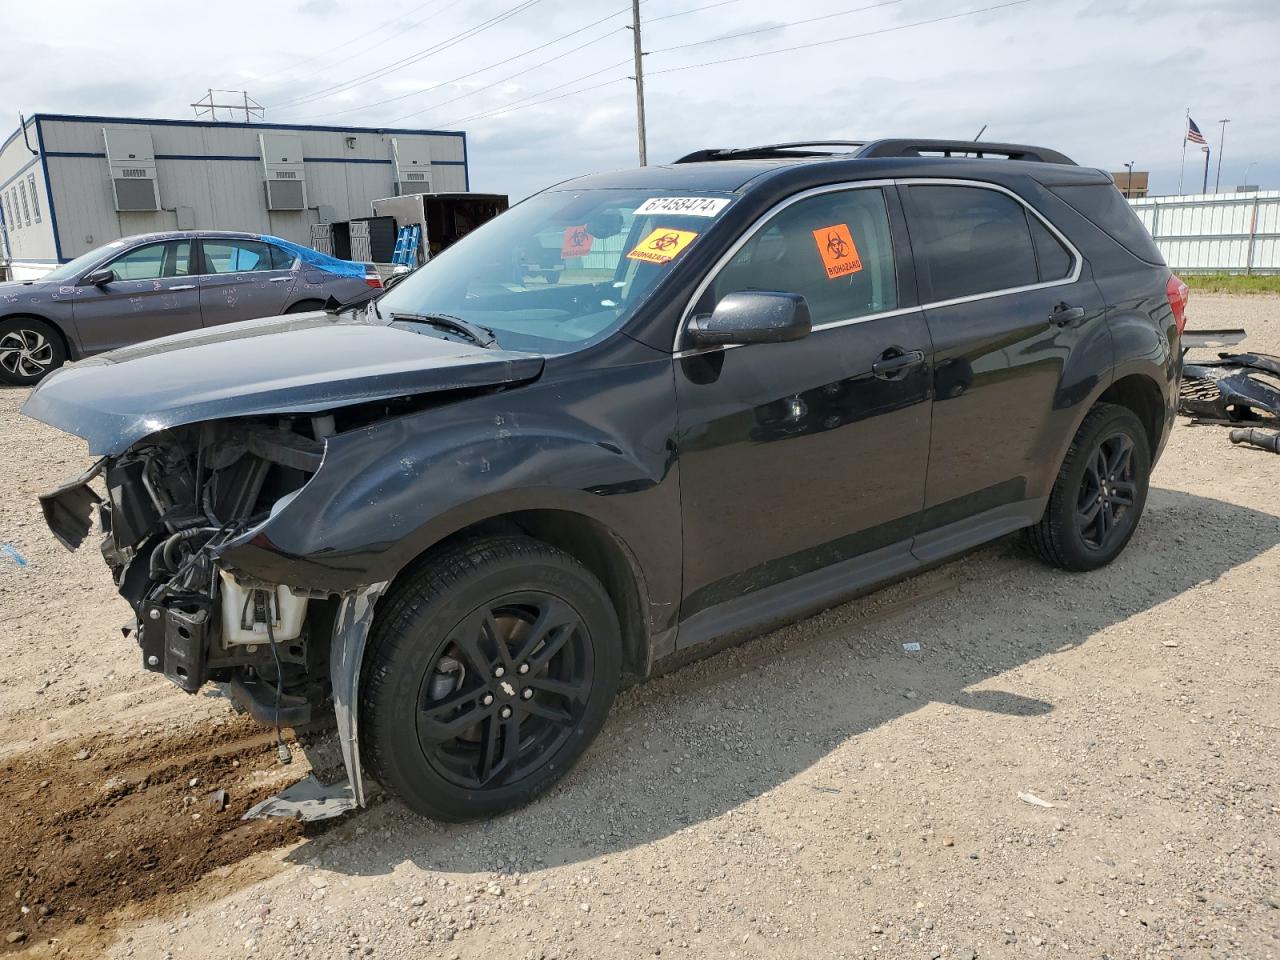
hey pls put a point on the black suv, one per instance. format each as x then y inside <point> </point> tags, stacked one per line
<point>757,382</point>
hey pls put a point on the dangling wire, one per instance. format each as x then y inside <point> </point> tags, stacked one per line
<point>282,748</point>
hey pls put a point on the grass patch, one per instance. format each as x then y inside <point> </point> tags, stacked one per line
<point>1234,283</point>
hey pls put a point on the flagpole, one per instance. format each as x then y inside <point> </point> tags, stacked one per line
<point>1183,170</point>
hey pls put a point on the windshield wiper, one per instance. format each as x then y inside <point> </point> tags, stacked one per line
<point>482,336</point>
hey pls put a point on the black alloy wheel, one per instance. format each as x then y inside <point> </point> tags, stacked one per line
<point>1099,493</point>
<point>491,667</point>
<point>507,689</point>
<point>1107,492</point>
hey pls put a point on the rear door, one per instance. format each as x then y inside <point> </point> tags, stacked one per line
<point>798,456</point>
<point>243,280</point>
<point>153,295</point>
<point>1014,316</point>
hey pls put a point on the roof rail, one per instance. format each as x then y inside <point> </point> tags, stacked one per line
<point>800,148</point>
<point>965,148</point>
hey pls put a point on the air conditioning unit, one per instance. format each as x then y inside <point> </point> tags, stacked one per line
<point>285,174</point>
<point>413,165</point>
<point>131,165</point>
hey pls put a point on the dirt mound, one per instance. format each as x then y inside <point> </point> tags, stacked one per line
<point>99,827</point>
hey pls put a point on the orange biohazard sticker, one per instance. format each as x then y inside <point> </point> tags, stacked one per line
<point>836,247</point>
<point>577,242</point>
<point>662,245</point>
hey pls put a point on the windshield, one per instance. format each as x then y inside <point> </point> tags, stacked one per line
<point>72,268</point>
<point>562,270</point>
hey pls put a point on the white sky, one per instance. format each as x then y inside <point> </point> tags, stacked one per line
<point>1105,81</point>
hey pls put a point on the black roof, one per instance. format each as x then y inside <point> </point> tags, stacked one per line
<point>734,169</point>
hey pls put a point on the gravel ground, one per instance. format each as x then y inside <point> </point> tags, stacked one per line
<point>1073,766</point>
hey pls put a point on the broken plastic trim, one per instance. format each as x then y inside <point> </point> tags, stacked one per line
<point>1236,389</point>
<point>350,634</point>
<point>306,800</point>
<point>68,508</point>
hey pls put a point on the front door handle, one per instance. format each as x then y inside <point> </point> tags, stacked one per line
<point>1064,315</point>
<point>895,363</point>
<point>184,286</point>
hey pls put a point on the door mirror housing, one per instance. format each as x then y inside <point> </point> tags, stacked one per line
<point>752,316</point>
<point>98,278</point>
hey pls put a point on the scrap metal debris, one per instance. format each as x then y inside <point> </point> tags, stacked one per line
<point>1236,388</point>
<point>306,800</point>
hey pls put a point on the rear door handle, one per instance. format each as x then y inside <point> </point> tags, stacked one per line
<point>1064,315</point>
<point>279,279</point>
<point>895,363</point>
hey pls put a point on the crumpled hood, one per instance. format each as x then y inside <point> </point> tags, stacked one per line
<point>301,363</point>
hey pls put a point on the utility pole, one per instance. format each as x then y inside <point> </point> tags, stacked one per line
<point>1222,138</point>
<point>1205,186</point>
<point>1128,181</point>
<point>639,78</point>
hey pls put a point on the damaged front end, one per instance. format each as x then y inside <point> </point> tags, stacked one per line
<point>172,504</point>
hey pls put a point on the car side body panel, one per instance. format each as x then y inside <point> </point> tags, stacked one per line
<point>593,437</point>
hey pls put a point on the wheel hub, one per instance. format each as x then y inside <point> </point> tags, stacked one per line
<point>1107,492</point>
<point>508,688</point>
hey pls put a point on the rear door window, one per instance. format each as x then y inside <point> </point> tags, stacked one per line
<point>236,256</point>
<point>834,249</point>
<point>969,241</point>
<point>281,259</point>
<point>1052,258</point>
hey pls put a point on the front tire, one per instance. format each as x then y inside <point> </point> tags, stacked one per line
<point>1100,492</point>
<point>29,350</point>
<point>490,669</point>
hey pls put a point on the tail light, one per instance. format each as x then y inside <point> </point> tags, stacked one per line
<point>375,281</point>
<point>1178,294</point>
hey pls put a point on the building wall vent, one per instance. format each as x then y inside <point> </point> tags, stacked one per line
<point>131,166</point>
<point>284,173</point>
<point>413,164</point>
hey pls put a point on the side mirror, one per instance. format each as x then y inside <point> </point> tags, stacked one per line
<point>98,278</point>
<point>752,316</point>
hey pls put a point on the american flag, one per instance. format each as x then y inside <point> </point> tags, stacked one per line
<point>1193,132</point>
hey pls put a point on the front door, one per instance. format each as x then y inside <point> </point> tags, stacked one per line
<point>1013,314</point>
<point>243,280</point>
<point>151,295</point>
<point>795,456</point>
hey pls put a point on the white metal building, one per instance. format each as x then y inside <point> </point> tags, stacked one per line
<point>71,183</point>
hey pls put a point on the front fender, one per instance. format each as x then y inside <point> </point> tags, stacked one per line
<point>598,444</point>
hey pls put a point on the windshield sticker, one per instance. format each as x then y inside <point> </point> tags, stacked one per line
<point>577,242</point>
<point>836,247</point>
<point>662,245</point>
<point>683,206</point>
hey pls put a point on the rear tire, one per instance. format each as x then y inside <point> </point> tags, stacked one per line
<point>1100,492</point>
<point>30,349</point>
<point>490,669</point>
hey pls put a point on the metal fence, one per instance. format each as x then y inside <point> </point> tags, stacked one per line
<point>1216,233</point>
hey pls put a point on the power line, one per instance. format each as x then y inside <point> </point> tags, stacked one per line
<point>324,53</point>
<point>467,76</point>
<point>515,103</point>
<point>851,36</point>
<point>383,71</point>
<point>685,13</point>
<point>776,26</point>
<point>521,103</point>
<point>510,76</point>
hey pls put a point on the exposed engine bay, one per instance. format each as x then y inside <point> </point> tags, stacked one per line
<point>172,502</point>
